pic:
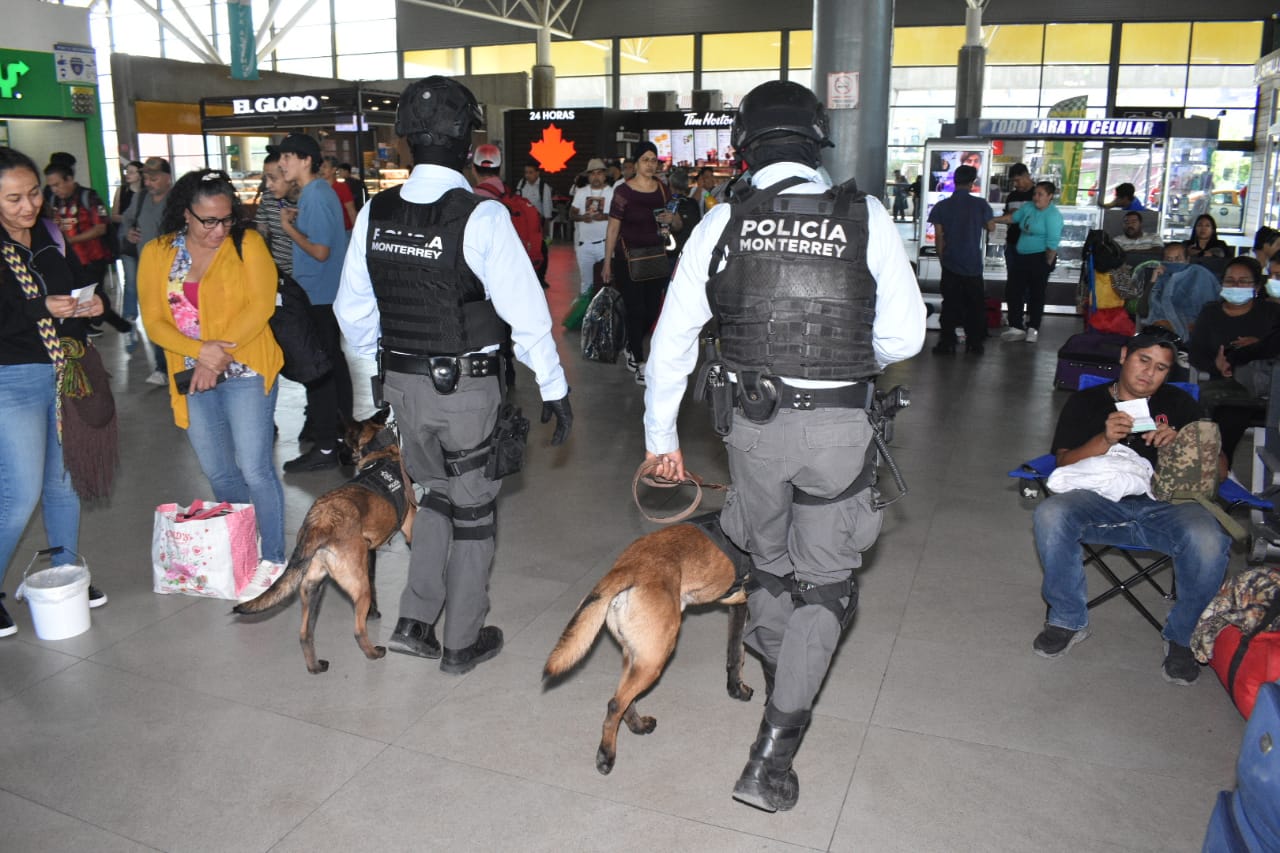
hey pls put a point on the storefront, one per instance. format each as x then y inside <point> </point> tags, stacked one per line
<point>355,125</point>
<point>49,102</point>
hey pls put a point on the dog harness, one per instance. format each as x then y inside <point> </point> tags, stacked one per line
<point>709,524</point>
<point>384,479</point>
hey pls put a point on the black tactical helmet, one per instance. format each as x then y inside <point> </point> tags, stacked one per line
<point>779,106</point>
<point>438,111</point>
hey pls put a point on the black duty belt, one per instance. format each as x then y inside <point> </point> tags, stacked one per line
<point>426,365</point>
<point>859,395</point>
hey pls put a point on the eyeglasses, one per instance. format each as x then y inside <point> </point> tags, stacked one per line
<point>212,222</point>
<point>1240,282</point>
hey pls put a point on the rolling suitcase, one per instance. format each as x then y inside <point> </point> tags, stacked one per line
<point>1093,352</point>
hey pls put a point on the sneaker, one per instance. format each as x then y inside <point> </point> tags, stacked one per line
<point>632,364</point>
<point>1033,335</point>
<point>7,628</point>
<point>97,597</point>
<point>486,647</point>
<point>1054,642</point>
<point>157,377</point>
<point>1180,666</point>
<point>412,637</point>
<point>263,577</point>
<point>315,459</point>
<point>640,373</point>
<point>1013,334</point>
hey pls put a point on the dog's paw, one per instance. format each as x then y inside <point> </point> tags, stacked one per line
<point>379,652</point>
<point>321,666</point>
<point>373,613</point>
<point>740,691</point>
<point>643,726</point>
<point>604,761</point>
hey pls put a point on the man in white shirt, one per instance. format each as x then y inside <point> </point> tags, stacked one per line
<point>1133,240</point>
<point>814,297</point>
<point>590,213</point>
<point>433,276</point>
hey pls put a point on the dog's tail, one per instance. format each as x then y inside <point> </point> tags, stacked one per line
<point>581,631</point>
<point>285,585</point>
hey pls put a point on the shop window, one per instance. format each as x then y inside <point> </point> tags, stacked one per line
<point>1014,45</point>
<point>503,58</point>
<point>741,51</point>
<point>1225,43</point>
<point>733,85</point>
<point>582,58</point>
<point>913,125</point>
<point>922,87</point>
<point>937,46</point>
<point>423,63</point>
<point>655,55</point>
<point>1070,44</point>
<point>1157,44</point>
<point>1151,85</point>
<point>367,66</point>
<point>1011,86</point>
<point>634,89</point>
<point>800,44</point>
<point>582,91</point>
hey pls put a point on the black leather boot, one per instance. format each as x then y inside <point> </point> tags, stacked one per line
<point>412,637</point>
<point>768,782</point>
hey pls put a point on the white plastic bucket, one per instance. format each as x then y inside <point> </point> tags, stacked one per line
<point>58,597</point>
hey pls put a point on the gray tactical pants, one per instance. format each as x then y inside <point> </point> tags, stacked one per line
<point>820,453</point>
<point>444,573</point>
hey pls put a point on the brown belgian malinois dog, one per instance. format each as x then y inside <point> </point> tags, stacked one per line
<point>642,600</point>
<point>340,535</point>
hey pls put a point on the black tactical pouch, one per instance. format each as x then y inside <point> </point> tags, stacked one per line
<point>506,444</point>
<point>758,396</point>
<point>445,374</point>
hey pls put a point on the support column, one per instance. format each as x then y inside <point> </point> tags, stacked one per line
<point>855,37</point>
<point>970,70</point>
<point>544,73</point>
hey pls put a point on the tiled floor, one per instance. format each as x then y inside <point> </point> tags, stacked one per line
<point>173,725</point>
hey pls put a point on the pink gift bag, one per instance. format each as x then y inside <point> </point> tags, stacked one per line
<point>205,549</point>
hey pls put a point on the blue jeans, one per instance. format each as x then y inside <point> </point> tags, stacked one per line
<point>232,431</point>
<point>129,307</point>
<point>1184,531</point>
<point>31,462</point>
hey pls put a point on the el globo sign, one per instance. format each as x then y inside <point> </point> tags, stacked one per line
<point>281,104</point>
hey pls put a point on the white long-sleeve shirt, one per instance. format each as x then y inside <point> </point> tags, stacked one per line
<point>897,332</point>
<point>492,251</point>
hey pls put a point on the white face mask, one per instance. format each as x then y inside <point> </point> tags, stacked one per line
<point>1273,288</point>
<point>1237,295</point>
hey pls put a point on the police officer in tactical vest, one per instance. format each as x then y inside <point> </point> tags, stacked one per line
<point>432,280</point>
<point>814,296</point>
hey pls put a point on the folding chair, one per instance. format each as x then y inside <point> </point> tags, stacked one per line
<point>1034,475</point>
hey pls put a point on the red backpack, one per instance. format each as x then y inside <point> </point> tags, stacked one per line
<point>528,222</point>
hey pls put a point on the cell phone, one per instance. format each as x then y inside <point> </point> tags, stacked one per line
<point>182,380</point>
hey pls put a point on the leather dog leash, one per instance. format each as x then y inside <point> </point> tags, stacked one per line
<point>644,474</point>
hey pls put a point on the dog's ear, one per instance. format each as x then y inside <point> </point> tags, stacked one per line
<point>379,418</point>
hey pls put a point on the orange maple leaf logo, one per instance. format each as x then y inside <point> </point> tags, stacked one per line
<point>552,151</point>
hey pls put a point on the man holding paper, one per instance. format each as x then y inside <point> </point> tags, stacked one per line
<point>1143,413</point>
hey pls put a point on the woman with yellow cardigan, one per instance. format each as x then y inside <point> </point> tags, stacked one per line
<point>207,301</point>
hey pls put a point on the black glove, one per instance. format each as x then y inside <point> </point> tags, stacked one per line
<point>564,418</point>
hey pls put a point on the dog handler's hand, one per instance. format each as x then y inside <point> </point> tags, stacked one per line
<point>563,413</point>
<point>670,465</point>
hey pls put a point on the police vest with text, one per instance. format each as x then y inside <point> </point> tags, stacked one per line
<point>430,301</point>
<point>796,297</point>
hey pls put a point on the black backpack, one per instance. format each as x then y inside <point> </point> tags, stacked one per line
<point>1107,254</point>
